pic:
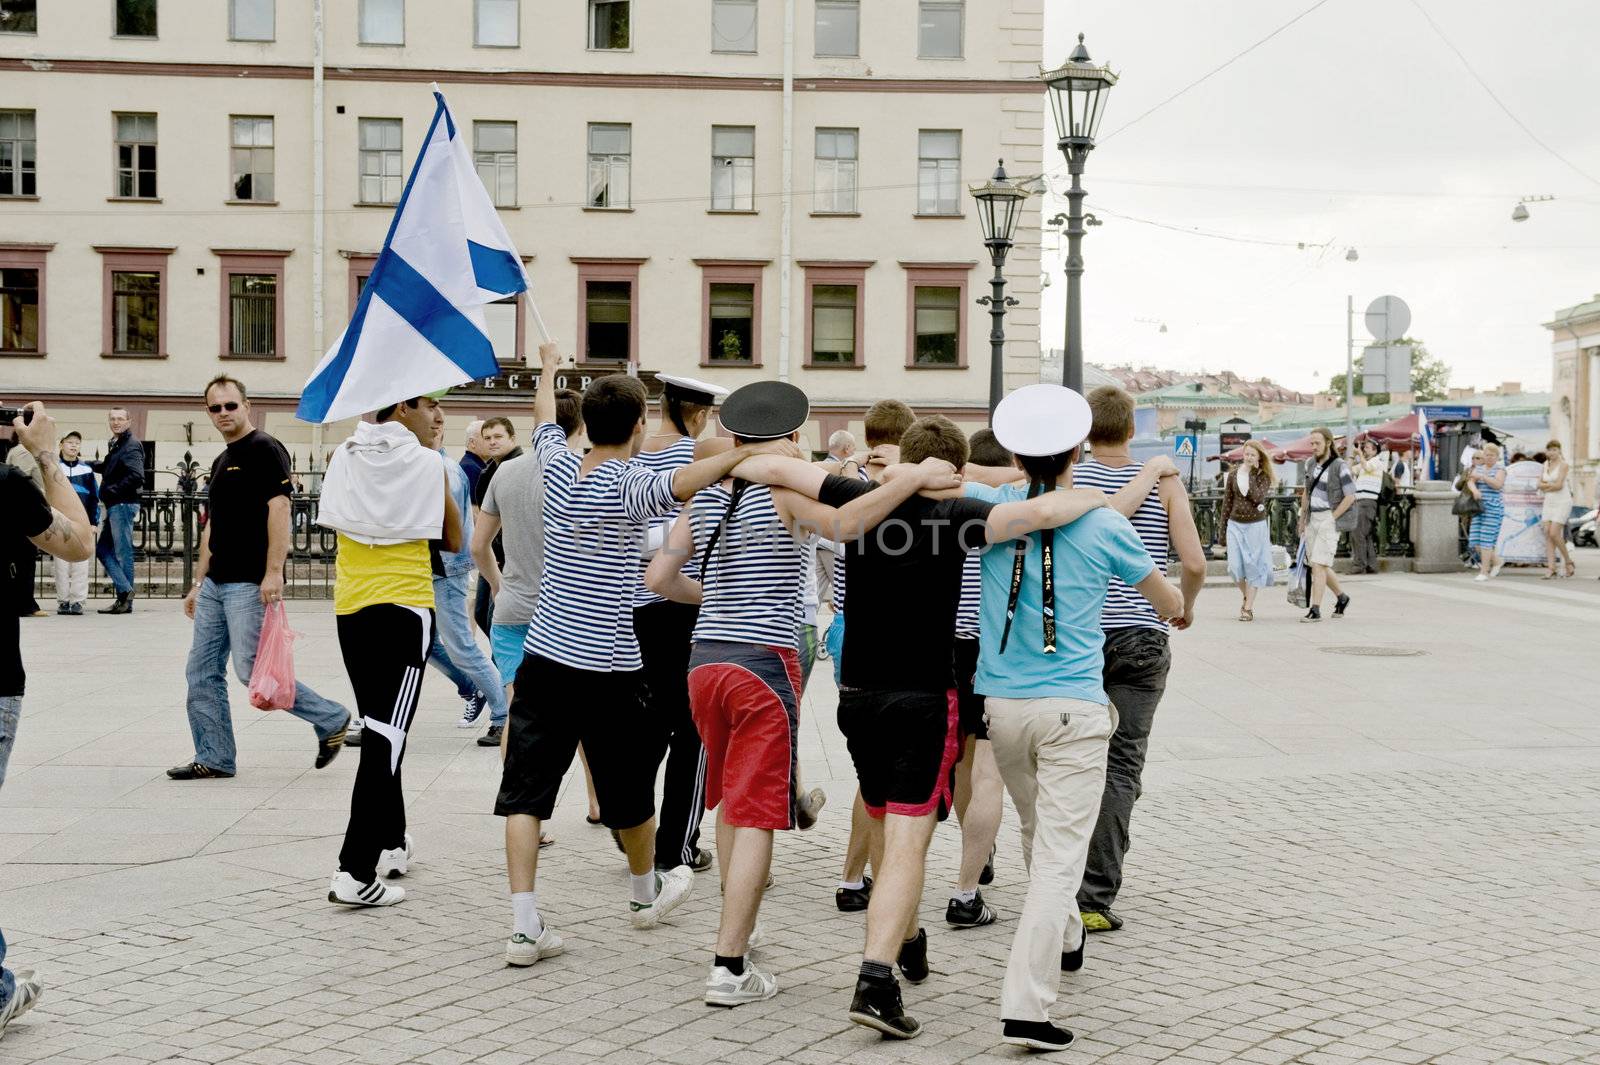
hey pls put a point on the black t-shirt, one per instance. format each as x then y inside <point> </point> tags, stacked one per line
<point>902,588</point>
<point>25,513</point>
<point>250,472</point>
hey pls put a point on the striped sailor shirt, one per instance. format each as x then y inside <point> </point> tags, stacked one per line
<point>751,583</point>
<point>674,456</point>
<point>967,611</point>
<point>1125,608</point>
<point>593,536</point>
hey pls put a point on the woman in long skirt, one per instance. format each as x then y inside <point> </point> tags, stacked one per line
<point>1487,478</point>
<point>1245,530</point>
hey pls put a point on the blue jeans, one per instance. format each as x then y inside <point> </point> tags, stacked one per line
<point>10,711</point>
<point>228,617</point>
<point>115,546</point>
<point>8,983</point>
<point>456,653</point>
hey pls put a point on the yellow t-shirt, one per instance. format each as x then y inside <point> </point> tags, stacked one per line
<point>371,574</point>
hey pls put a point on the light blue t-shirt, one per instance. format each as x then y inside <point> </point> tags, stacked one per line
<point>1086,555</point>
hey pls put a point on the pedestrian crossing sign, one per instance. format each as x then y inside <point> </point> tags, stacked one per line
<point>1184,445</point>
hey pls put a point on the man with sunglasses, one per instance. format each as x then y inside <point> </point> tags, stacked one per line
<point>242,553</point>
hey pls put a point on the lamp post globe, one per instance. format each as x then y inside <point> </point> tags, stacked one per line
<point>1000,203</point>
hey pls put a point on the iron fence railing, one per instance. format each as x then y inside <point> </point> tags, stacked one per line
<point>1283,514</point>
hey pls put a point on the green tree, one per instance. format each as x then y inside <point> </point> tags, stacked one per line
<point>1430,377</point>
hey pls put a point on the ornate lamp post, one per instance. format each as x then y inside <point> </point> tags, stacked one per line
<point>1077,97</point>
<point>999,207</point>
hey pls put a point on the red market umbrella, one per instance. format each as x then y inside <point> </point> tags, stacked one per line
<point>1398,434</point>
<point>1293,451</point>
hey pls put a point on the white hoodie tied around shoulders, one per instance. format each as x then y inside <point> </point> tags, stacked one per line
<point>383,487</point>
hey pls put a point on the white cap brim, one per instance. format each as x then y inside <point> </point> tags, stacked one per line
<point>690,384</point>
<point>1041,420</point>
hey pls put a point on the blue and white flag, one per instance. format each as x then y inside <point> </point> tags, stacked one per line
<point>418,326</point>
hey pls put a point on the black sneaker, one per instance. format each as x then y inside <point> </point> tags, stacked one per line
<point>914,957</point>
<point>1314,614</point>
<point>986,877</point>
<point>877,1005</point>
<point>1072,960</point>
<point>702,860</point>
<point>1036,1035</point>
<point>1099,920</point>
<point>196,771</point>
<point>1339,604</point>
<point>854,900</point>
<point>491,738</point>
<point>972,914</point>
<point>328,749</point>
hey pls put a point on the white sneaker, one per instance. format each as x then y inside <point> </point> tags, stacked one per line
<point>675,887</point>
<point>396,861</point>
<point>725,989</point>
<point>348,891</point>
<point>24,997</point>
<point>1481,577</point>
<point>520,950</point>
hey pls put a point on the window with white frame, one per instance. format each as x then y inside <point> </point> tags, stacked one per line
<point>18,147</point>
<point>730,318</point>
<point>838,28</point>
<point>135,18</point>
<point>252,20</point>
<point>19,16</point>
<point>608,25</point>
<point>498,23</point>
<point>251,157</point>
<point>936,318</point>
<point>608,320</point>
<point>494,152</point>
<point>135,312</point>
<point>383,22</point>
<point>833,324</point>
<point>381,171</point>
<point>610,163</point>
<point>834,188</point>
<point>939,29</point>
<point>733,25</point>
<point>733,168</point>
<point>136,156</point>
<point>939,171</point>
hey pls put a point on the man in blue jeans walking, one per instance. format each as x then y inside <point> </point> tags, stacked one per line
<point>242,553</point>
<point>121,478</point>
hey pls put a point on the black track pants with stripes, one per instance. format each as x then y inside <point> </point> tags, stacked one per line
<point>385,648</point>
<point>665,632</point>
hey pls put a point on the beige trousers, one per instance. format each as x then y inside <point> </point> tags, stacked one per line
<point>1052,757</point>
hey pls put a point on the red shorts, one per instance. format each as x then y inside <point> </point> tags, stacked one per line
<point>746,704</point>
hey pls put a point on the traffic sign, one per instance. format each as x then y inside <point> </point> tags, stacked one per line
<point>1183,445</point>
<point>1388,318</point>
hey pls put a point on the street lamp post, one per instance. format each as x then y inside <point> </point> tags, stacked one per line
<point>1077,97</point>
<point>999,207</point>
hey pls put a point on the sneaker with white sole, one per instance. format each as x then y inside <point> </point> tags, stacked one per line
<point>396,861</point>
<point>26,995</point>
<point>723,988</point>
<point>520,950</point>
<point>472,710</point>
<point>672,887</point>
<point>346,890</point>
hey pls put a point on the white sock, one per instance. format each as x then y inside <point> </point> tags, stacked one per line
<point>645,886</point>
<point>525,913</point>
<point>964,896</point>
<point>853,885</point>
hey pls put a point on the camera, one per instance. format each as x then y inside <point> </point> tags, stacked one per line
<point>11,414</point>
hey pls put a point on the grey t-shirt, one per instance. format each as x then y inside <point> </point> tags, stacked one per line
<point>1322,498</point>
<point>516,497</point>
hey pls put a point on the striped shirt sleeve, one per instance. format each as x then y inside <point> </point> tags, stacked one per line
<point>548,441</point>
<point>646,493</point>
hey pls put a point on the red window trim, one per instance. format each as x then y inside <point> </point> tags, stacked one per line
<point>28,257</point>
<point>114,258</point>
<point>608,269</point>
<point>943,275</point>
<point>837,272</point>
<point>250,261</point>
<point>736,272</point>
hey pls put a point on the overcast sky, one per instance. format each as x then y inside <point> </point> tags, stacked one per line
<point>1358,127</point>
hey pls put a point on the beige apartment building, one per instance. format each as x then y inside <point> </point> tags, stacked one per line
<point>735,189</point>
<point>1575,391</point>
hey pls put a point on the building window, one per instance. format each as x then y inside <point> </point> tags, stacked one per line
<point>838,28</point>
<point>608,307</point>
<point>381,176</point>
<point>834,188</point>
<point>136,156</point>
<point>610,163</point>
<point>252,20</point>
<point>733,168</point>
<point>136,18</point>
<point>498,23</point>
<point>835,312</point>
<point>936,315</point>
<point>939,172</point>
<point>730,332</point>
<point>383,22</point>
<point>18,176</point>
<point>19,16</point>
<point>252,157</point>
<point>502,321</point>
<point>608,25</point>
<point>361,265</point>
<point>252,315</point>
<point>939,29</point>
<point>22,299</point>
<point>494,152</point>
<point>733,25</point>
<point>133,301</point>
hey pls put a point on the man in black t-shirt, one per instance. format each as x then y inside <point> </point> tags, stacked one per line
<point>242,553</point>
<point>499,438</point>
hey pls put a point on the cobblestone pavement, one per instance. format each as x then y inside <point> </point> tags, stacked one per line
<point>1337,858</point>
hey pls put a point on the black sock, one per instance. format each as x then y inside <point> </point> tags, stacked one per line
<point>733,965</point>
<point>877,971</point>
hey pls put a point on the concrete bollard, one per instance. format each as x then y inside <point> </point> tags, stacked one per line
<point>1435,531</point>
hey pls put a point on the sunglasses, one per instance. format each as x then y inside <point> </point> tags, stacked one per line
<point>218,408</point>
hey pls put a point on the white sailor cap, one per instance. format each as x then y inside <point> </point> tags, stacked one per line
<point>690,390</point>
<point>1041,420</point>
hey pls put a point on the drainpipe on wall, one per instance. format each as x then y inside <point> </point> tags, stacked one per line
<point>318,334</point>
<point>786,251</point>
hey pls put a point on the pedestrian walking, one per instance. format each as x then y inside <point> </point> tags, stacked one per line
<point>1556,484</point>
<point>1367,468</point>
<point>1485,480</point>
<point>121,481</point>
<point>1327,494</point>
<point>386,494</point>
<point>498,441</point>
<point>240,573</point>
<point>1246,532</point>
<point>72,578</point>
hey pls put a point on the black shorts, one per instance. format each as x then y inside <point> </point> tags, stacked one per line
<point>554,708</point>
<point>971,703</point>
<point>905,746</point>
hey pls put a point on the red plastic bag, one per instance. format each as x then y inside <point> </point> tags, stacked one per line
<point>272,679</point>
